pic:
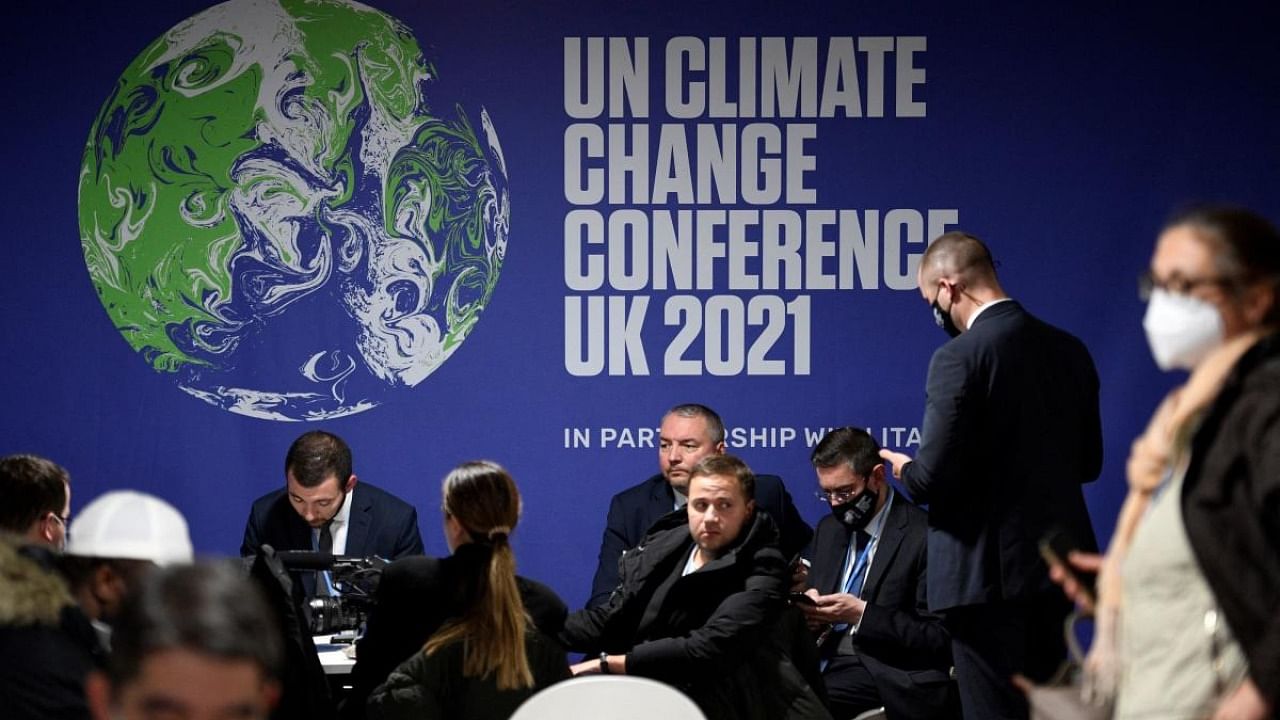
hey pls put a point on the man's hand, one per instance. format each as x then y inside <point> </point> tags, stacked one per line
<point>1083,562</point>
<point>897,460</point>
<point>617,666</point>
<point>800,575</point>
<point>834,608</point>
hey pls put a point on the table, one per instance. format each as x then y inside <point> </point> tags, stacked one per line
<point>333,656</point>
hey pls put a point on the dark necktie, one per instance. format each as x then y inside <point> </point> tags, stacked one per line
<point>326,538</point>
<point>326,548</point>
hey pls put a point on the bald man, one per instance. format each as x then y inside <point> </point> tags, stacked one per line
<point>1011,431</point>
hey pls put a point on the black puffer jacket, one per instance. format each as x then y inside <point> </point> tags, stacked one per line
<point>714,633</point>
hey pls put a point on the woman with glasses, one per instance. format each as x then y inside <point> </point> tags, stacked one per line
<point>488,656</point>
<point>1188,608</point>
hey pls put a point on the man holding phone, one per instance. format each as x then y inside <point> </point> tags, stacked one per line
<point>879,644</point>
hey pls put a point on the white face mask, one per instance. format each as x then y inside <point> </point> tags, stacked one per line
<point>1181,330</point>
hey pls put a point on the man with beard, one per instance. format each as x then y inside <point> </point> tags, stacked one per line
<point>699,606</point>
<point>320,508</point>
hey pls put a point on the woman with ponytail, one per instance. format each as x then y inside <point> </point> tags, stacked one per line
<point>483,654</point>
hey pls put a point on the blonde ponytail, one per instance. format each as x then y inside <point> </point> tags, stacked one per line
<point>484,499</point>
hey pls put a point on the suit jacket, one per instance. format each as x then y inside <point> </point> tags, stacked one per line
<point>415,596</point>
<point>1011,430</point>
<point>634,510</point>
<point>380,524</point>
<point>903,646</point>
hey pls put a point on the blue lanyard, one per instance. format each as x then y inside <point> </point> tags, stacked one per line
<point>861,562</point>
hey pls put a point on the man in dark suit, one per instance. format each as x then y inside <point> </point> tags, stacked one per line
<point>688,433</point>
<point>880,646</point>
<point>321,509</point>
<point>1011,431</point>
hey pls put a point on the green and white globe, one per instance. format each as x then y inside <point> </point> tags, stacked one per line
<point>274,215</point>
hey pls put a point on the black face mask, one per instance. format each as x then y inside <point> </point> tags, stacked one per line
<point>856,512</point>
<point>943,320</point>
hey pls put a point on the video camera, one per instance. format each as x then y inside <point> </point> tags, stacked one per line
<point>354,579</point>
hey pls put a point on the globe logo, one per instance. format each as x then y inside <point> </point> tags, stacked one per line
<point>274,215</point>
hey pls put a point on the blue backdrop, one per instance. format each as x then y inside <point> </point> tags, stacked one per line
<point>1062,136</point>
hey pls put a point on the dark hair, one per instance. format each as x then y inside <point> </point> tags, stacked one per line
<point>1246,246</point>
<point>316,456</point>
<point>848,445</point>
<point>483,498</point>
<point>30,486</point>
<point>958,253</point>
<point>715,426</point>
<point>209,608</point>
<point>729,466</point>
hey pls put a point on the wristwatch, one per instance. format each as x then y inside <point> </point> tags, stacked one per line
<point>604,664</point>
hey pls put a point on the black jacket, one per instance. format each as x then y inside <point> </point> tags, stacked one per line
<point>904,647</point>
<point>712,633</point>
<point>415,596</point>
<point>1231,508</point>
<point>1011,431</point>
<point>47,645</point>
<point>434,688</point>
<point>379,524</point>
<point>634,510</point>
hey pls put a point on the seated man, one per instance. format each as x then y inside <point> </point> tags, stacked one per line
<point>688,434</point>
<point>320,508</point>
<point>699,603</point>
<point>196,641</point>
<point>115,541</point>
<point>879,644</point>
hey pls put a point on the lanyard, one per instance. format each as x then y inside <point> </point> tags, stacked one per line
<point>860,563</point>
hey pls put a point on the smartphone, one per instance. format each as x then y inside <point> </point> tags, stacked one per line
<point>798,598</point>
<point>1055,546</point>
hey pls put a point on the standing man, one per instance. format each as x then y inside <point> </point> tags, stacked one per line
<point>35,500</point>
<point>320,508</point>
<point>699,604</point>
<point>1011,431</point>
<point>689,433</point>
<point>880,645</point>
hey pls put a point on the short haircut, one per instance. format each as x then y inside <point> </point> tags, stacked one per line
<point>210,608</point>
<point>958,253</point>
<point>1246,247</point>
<point>849,446</point>
<point>729,466</point>
<point>317,455</point>
<point>30,486</point>
<point>715,426</point>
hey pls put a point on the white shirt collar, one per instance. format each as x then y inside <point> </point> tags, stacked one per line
<point>343,514</point>
<point>983,308</point>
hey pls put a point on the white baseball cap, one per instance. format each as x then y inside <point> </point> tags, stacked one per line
<point>133,526</point>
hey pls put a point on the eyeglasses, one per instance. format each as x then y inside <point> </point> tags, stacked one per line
<point>837,496</point>
<point>1178,285</point>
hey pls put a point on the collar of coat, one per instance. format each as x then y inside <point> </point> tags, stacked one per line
<point>670,534</point>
